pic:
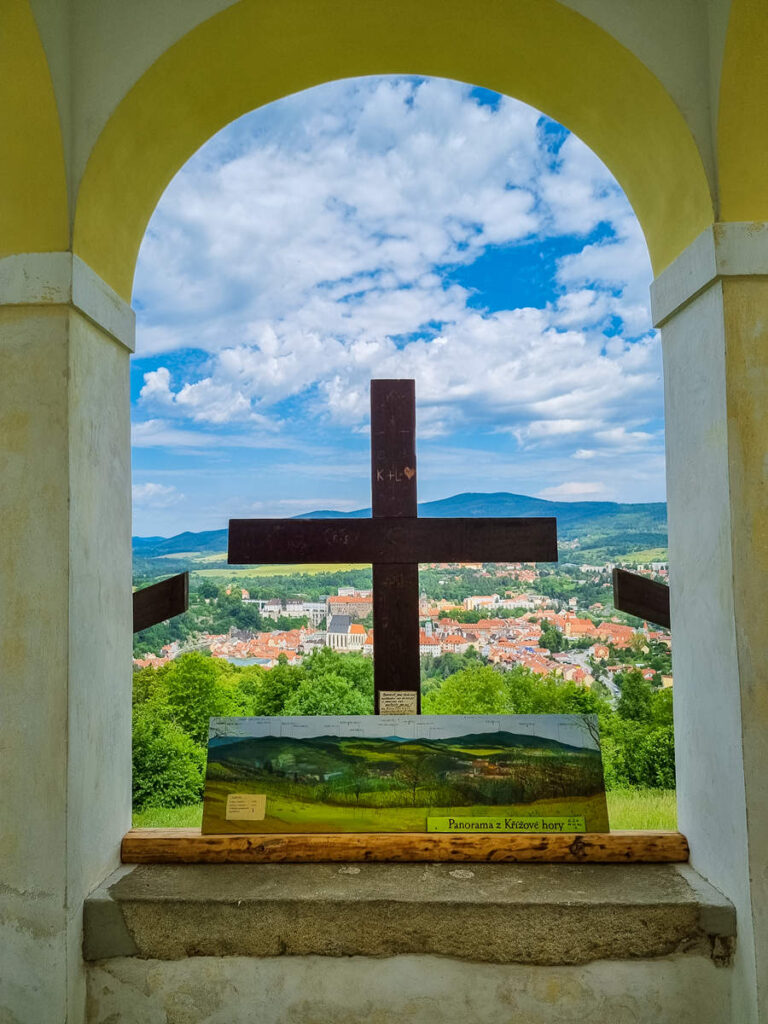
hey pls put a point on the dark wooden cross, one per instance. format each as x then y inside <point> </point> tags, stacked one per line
<point>394,541</point>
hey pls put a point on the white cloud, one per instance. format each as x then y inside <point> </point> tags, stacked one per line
<point>573,490</point>
<point>155,495</point>
<point>306,249</point>
<point>297,506</point>
<point>163,433</point>
<point>205,401</point>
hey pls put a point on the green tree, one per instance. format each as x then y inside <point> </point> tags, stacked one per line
<point>167,765</point>
<point>276,686</point>
<point>477,690</point>
<point>552,638</point>
<point>636,697</point>
<point>355,668</point>
<point>656,759</point>
<point>193,694</point>
<point>328,694</point>
<point>661,707</point>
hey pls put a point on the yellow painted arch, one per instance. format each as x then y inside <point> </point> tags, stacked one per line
<point>259,50</point>
<point>742,134</point>
<point>33,184</point>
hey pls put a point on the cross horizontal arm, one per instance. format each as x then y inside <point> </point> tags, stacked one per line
<point>161,601</point>
<point>637,595</point>
<point>391,541</point>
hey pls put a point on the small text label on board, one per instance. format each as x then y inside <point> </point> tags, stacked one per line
<point>246,806</point>
<point>397,702</point>
<point>507,823</point>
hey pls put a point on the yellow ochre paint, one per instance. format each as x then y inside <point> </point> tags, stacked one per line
<point>742,130</point>
<point>33,188</point>
<point>255,51</point>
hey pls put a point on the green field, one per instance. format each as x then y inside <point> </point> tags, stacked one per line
<point>311,568</point>
<point>649,555</point>
<point>627,809</point>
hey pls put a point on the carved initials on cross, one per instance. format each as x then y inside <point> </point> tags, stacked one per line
<point>394,540</point>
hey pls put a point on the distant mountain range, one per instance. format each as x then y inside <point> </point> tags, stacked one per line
<point>594,529</point>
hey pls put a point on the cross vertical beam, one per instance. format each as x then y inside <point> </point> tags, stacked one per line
<point>395,585</point>
<point>394,540</point>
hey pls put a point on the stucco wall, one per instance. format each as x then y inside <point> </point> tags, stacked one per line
<point>413,989</point>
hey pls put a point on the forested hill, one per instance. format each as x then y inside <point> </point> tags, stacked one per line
<point>587,530</point>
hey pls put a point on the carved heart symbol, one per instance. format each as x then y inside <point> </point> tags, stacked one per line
<point>410,473</point>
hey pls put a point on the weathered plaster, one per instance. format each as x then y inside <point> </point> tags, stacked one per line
<point>34,573</point>
<point>65,635</point>
<point>745,301</point>
<point>713,303</point>
<point>416,989</point>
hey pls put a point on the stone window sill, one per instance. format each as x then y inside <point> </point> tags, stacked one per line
<point>552,914</point>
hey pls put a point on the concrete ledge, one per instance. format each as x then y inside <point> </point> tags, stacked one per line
<point>62,279</point>
<point>731,249</point>
<point>537,914</point>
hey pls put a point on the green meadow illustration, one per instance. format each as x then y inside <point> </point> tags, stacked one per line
<point>437,773</point>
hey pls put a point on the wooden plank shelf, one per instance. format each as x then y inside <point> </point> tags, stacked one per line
<point>189,846</point>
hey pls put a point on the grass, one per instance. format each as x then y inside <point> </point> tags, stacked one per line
<point>169,817</point>
<point>311,569</point>
<point>642,809</point>
<point>185,554</point>
<point>627,809</point>
<point>649,555</point>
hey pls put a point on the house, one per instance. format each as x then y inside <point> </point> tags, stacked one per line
<point>337,631</point>
<point>454,642</point>
<point>345,635</point>
<point>356,636</point>
<point>616,633</point>
<point>273,608</point>
<point>352,605</point>
<point>481,601</point>
<point>576,627</point>
<point>428,645</point>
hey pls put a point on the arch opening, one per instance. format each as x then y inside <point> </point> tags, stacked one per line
<point>400,227</point>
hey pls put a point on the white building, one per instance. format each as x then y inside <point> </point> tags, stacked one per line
<point>343,634</point>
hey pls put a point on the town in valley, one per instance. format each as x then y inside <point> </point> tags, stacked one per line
<point>557,622</point>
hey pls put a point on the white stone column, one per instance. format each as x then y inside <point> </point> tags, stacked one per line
<point>65,620</point>
<point>712,306</point>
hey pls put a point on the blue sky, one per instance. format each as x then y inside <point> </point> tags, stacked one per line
<point>391,227</point>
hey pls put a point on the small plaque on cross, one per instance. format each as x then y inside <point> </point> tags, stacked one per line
<point>394,540</point>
